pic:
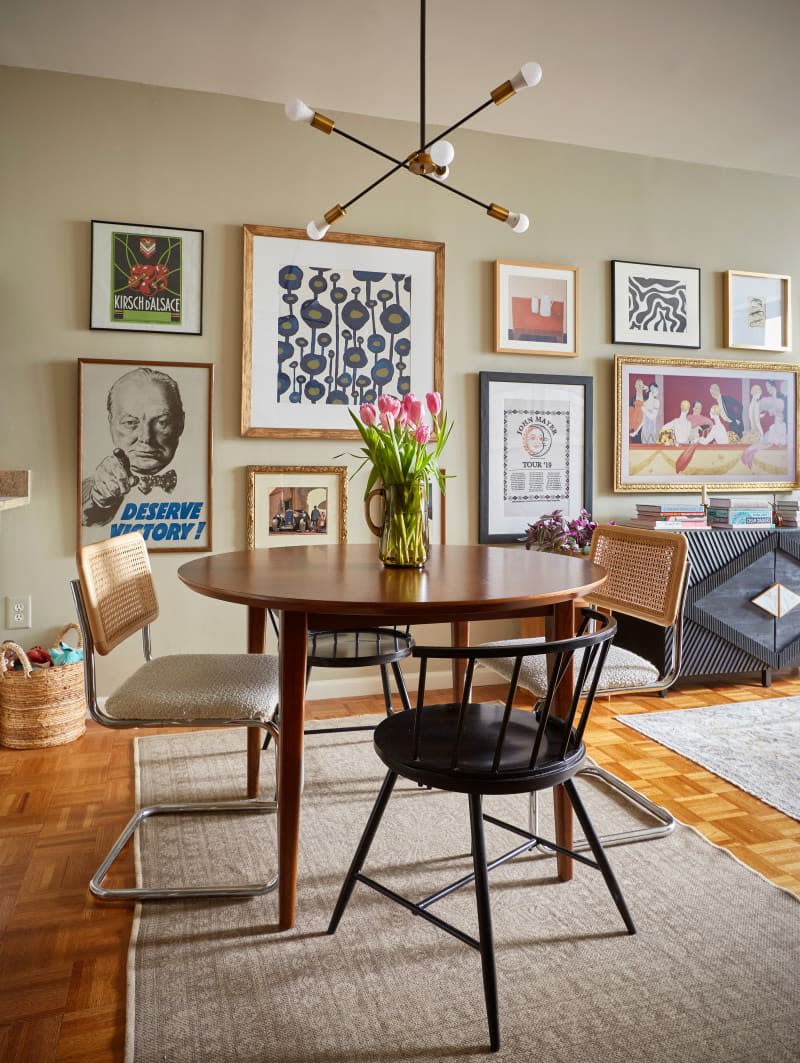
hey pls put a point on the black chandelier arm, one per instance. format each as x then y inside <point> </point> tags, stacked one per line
<point>422,20</point>
<point>456,191</point>
<point>374,184</point>
<point>459,123</point>
<point>399,163</point>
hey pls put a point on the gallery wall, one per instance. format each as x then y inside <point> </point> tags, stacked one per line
<point>77,149</point>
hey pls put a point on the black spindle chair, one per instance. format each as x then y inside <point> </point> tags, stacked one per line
<point>493,748</point>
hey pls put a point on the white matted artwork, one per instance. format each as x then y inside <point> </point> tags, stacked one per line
<point>296,505</point>
<point>536,451</point>
<point>535,308</point>
<point>654,304</point>
<point>328,326</point>
<point>758,309</point>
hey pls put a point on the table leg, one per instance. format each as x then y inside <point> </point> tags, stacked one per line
<point>459,635</point>
<point>256,643</point>
<point>293,639</point>
<point>563,627</point>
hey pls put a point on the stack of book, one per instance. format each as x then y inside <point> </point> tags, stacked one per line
<point>738,512</point>
<point>787,510</point>
<point>672,516</point>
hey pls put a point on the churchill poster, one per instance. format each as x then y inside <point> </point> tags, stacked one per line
<point>144,448</point>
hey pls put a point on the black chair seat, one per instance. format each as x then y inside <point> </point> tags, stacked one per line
<point>472,770</point>
<point>347,649</point>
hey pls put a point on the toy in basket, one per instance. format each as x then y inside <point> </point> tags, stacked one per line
<point>41,706</point>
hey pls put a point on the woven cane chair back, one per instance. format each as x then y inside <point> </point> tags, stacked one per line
<point>118,591</point>
<point>645,572</point>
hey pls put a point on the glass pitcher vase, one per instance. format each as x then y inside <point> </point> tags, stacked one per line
<point>404,531</point>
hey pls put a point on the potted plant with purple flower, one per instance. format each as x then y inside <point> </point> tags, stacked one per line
<point>555,533</point>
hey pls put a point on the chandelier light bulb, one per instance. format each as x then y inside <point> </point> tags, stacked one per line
<point>528,77</point>
<point>317,229</point>
<point>443,175</point>
<point>297,111</point>
<point>442,152</point>
<point>518,223</point>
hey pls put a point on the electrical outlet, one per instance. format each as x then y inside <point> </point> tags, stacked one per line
<point>18,611</point>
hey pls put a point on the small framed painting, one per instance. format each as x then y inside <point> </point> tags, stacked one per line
<point>146,278</point>
<point>296,505</point>
<point>758,311</point>
<point>144,452</point>
<point>535,309</point>
<point>329,326</point>
<point>683,424</point>
<point>536,451</point>
<point>655,305</point>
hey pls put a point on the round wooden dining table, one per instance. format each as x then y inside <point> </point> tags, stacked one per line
<point>346,586</point>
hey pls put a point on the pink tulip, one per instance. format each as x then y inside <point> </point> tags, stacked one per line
<point>414,410</point>
<point>389,404</point>
<point>408,399</point>
<point>434,401</point>
<point>402,419</point>
<point>422,434</point>
<point>368,414</point>
<point>387,422</point>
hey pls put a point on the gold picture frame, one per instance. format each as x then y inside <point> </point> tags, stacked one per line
<point>683,424</point>
<point>758,311</point>
<point>535,309</point>
<point>296,505</point>
<point>327,326</point>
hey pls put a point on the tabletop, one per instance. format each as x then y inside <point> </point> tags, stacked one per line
<point>457,581</point>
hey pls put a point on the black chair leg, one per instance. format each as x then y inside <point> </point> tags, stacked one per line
<point>387,692</point>
<point>599,854</point>
<point>363,849</point>
<point>485,934</point>
<point>402,690</point>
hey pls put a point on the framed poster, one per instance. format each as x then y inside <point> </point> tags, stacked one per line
<point>535,308</point>
<point>146,278</point>
<point>656,305</point>
<point>536,451</point>
<point>334,324</point>
<point>683,424</point>
<point>144,452</point>
<point>758,309</point>
<point>296,505</point>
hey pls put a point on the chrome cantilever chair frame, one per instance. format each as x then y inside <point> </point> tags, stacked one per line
<point>252,806</point>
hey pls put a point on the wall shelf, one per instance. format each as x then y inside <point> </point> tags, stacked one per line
<point>15,489</point>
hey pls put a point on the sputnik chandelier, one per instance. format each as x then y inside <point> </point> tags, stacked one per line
<point>433,157</point>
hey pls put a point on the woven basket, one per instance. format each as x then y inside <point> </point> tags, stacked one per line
<point>41,706</point>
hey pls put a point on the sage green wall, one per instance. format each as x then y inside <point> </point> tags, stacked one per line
<point>77,148</point>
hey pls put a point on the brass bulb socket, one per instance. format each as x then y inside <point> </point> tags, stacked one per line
<point>421,163</point>
<point>502,93</point>
<point>322,123</point>
<point>496,211</point>
<point>335,213</point>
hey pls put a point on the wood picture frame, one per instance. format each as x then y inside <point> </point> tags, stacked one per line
<point>535,308</point>
<point>146,278</point>
<point>655,305</point>
<point>758,311</point>
<point>684,424</point>
<point>296,505</point>
<point>536,450</point>
<point>329,325</point>
<point>145,440</point>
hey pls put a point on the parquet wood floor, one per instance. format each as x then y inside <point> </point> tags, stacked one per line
<point>63,955</point>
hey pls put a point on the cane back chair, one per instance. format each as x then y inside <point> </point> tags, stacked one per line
<point>115,599</point>
<point>648,572</point>
<point>479,749</point>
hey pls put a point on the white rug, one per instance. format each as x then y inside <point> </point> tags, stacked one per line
<point>753,744</point>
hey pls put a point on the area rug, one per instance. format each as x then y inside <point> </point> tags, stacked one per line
<point>710,976</point>
<point>752,744</point>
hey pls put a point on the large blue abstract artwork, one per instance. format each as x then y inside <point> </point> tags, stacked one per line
<point>343,336</point>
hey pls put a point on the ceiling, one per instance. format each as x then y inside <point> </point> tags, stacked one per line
<point>708,81</point>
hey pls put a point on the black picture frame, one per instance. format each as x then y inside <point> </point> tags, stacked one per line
<point>146,278</point>
<point>525,417</point>
<point>655,305</point>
